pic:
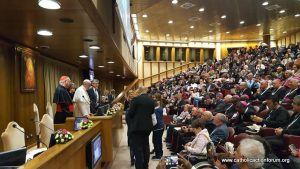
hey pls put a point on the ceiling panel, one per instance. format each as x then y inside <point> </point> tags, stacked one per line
<point>250,11</point>
<point>20,21</point>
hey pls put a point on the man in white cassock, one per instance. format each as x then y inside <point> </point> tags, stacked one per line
<point>82,100</point>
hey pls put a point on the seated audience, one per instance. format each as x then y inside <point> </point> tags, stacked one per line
<point>220,133</point>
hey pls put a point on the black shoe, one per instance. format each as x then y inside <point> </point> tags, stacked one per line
<point>152,152</point>
<point>132,163</point>
<point>156,158</point>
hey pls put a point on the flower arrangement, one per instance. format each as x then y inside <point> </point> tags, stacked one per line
<point>114,109</point>
<point>84,124</point>
<point>62,136</point>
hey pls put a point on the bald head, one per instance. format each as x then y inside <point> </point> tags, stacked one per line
<point>263,84</point>
<point>276,83</point>
<point>227,98</point>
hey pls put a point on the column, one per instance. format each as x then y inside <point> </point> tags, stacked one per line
<point>267,39</point>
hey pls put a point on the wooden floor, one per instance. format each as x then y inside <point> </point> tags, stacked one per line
<point>122,159</point>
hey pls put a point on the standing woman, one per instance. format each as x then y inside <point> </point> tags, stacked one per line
<point>126,108</point>
<point>158,131</point>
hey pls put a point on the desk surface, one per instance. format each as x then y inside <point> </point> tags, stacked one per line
<point>58,155</point>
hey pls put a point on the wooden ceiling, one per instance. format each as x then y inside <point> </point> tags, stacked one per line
<point>159,12</point>
<point>20,21</point>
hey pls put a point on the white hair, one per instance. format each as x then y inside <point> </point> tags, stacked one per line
<point>86,81</point>
<point>252,149</point>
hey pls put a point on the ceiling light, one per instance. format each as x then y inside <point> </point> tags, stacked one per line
<point>228,32</point>
<point>83,56</point>
<point>118,75</point>
<point>192,27</point>
<point>147,31</point>
<point>282,11</point>
<point>44,32</point>
<point>297,15</point>
<point>49,4</point>
<point>223,16</point>
<point>110,72</point>
<point>174,1</point>
<point>145,16</point>
<point>134,20</point>
<point>123,77</point>
<point>100,66</point>
<point>271,29</point>
<point>110,62</point>
<point>94,47</point>
<point>170,21</point>
<point>167,34</point>
<point>265,3</point>
<point>133,15</point>
<point>258,24</point>
<point>210,31</point>
<point>284,32</point>
<point>242,22</point>
<point>201,10</point>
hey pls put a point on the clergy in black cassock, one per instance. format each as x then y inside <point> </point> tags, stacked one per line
<point>62,100</point>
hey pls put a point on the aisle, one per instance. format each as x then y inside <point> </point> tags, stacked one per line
<point>122,159</point>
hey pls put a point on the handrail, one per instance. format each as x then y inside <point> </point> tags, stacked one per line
<point>167,70</point>
<point>122,94</point>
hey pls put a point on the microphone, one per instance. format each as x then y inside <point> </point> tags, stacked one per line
<point>27,136</point>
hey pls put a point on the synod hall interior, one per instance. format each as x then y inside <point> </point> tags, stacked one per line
<point>150,84</point>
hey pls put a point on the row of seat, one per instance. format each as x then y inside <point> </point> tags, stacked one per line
<point>13,137</point>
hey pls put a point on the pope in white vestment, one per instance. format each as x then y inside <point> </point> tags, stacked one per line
<point>81,100</point>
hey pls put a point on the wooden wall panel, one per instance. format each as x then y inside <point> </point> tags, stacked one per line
<point>147,82</point>
<point>169,66</point>
<point>147,69</point>
<point>155,79</point>
<point>177,64</point>
<point>170,73</point>
<point>162,67</point>
<point>162,76</point>
<point>154,68</point>
<point>177,70</point>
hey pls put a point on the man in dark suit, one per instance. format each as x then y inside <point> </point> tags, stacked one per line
<point>278,89</point>
<point>264,92</point>
<point>220,133</point>
<point>140,120</point>
<point>111,96</point>
<point>245,90</point>
<point>278,116</point>
<point>94,95</point>
<point>242,118</point>
<point>292,128</point>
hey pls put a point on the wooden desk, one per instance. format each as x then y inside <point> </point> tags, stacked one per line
<point>70,155</point>
<point>111,129</point>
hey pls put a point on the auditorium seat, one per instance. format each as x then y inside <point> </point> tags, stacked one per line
<point>288,140</point>
<point>47,128</point>
<point>266,131</point>
<point>36,121</point>
<point>231,134</point>
<point>49,110</point>
<point>12,138</point>
<point>238,138</point>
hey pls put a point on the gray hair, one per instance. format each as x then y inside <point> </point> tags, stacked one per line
<point>95,81</point>
<point>252,149</point>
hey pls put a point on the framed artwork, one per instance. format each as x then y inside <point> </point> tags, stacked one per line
<point>28,69</point>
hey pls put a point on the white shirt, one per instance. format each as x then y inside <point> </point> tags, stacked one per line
<point>82,102</point>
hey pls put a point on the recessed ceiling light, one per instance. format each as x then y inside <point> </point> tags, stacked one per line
<point>271,29</point>
<point>101,66</point>
<point>118,75</point>
<point>110,62</point>
<point>210,31</point>
<point>167,34</point>
<point>192,27</point>
<point>49,4</point>
<point>145,16</point>
<point>297,15</point>
<point>110,72</point>
<point>223,16</point>
<point>174,1</point>
<point>265,3</point>
<point>133,15</point>
<point>284,32</point>
<point>228,32</point>
<point>123,77</point>
<point>258,24</point>
<point>170,21</point>
<point>201,10</point>
<point>94,47</point>
<point>83,56</point>
<point>147,31</point>
<point>242,22</point>
<point>44,32</point>
<point>282,11</point>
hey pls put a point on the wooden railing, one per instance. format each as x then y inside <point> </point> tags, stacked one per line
<point>132,85</point>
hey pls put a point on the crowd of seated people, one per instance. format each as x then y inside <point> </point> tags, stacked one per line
<point>222,100</point>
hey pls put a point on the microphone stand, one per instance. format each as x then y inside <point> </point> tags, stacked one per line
<point>16,127</point>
